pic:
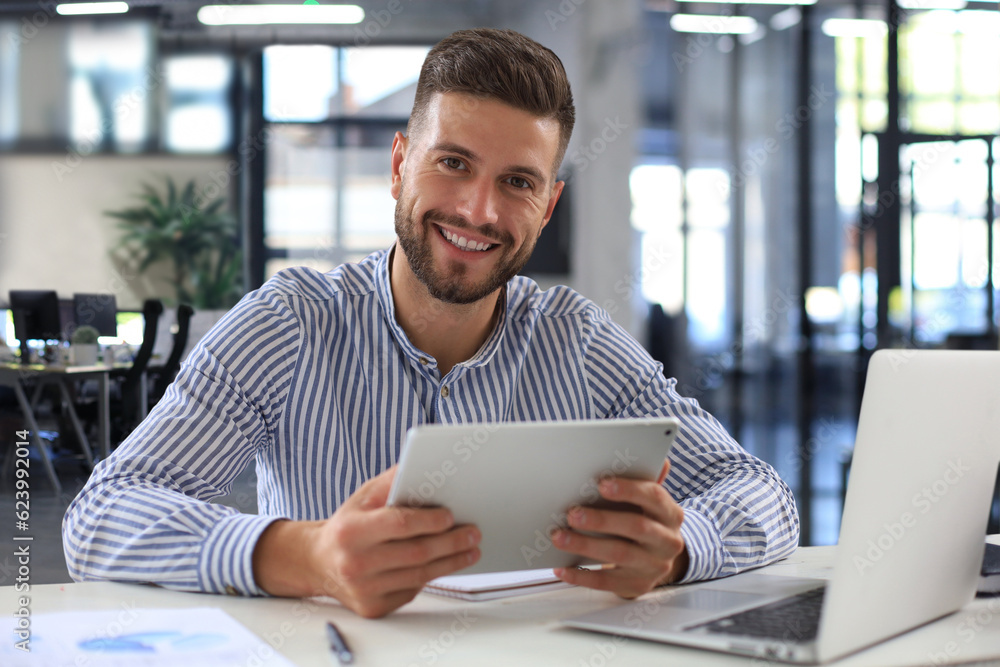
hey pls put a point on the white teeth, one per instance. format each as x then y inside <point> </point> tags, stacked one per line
<point>464,243</point>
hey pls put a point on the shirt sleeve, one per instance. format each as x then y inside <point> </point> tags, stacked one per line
<point>738,513</point>
<point>145,515</point>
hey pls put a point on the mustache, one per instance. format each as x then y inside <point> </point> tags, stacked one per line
<point>493,233</point>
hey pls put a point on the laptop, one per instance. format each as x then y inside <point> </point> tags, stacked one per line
<point>911,538</point>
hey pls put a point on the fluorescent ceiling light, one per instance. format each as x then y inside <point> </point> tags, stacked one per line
<point>718,25</point>
<point>855,28</point>
<point>978,22</point>
<point>80,8</point>
<point>272,14</point>
<point>932,4</point>
<point>784,20</point>
<point>761,2</point>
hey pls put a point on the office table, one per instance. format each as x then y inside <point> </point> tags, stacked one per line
<point>16,375</point>
<point>514,631</point>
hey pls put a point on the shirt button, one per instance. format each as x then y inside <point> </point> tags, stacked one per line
<point>444,392</point>
<point>231,591</point>
<point>424,361</point>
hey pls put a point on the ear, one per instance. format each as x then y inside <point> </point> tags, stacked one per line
<point>557,189</point>
<point>399,146</point>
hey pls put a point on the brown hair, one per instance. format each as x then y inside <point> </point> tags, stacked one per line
<point>499,64</point>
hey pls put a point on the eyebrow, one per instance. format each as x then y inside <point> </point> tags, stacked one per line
<point>446,147</point>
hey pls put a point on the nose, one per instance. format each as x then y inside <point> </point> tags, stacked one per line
<point>478,202</point>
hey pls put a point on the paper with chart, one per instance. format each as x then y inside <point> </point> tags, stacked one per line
<point>136,637</point>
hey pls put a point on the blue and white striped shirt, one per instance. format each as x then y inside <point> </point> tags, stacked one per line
<point>312,378</point>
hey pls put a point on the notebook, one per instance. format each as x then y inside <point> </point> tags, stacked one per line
<point>495,585</point>
<point>911,540</point>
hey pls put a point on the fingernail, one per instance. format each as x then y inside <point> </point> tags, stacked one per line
<point>609,486</point>
<point>578,516</point>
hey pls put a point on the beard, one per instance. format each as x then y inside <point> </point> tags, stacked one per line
<point>450,283</point>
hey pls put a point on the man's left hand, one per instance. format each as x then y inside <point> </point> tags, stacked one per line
<point>644,549</point>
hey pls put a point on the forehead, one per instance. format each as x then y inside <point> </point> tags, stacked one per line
<point>493,130</point>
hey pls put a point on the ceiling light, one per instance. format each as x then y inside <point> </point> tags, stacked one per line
<point>855,28</point>
<point>81,8</point>
<point>762,2</point>
<point>718,25</point>
<point>787,18</point>
<point>277,14</point>
<point>932,4</point>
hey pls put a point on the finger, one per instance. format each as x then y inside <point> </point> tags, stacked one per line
<point>417,577</point>
<point>650,496</point>
<point>426,549</point>
<point>614,580</point>
<point>365,529</point>
<point>402,523</point>
<point>628,525</point>
<point>663,471</point>
<point>620,552</point>
<point>375,492</point>
<point>377,607</point>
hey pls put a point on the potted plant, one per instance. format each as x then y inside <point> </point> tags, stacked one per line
<point>84,341</point>
<point>195,235</point>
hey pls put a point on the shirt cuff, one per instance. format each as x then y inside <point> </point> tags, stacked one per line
<point>226,564</point>
<point>706,556</point>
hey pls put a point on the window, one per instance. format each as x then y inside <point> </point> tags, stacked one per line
<point>109,88</point>
<point>944,80</point>
<point>946,92</point>
<point>8,83</point>
<point>197,116</point>
<point>684,253</point>
<point>332,113</point>
<point>111,92</point>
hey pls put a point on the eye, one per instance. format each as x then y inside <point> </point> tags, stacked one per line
<point>453,163</point>
<point>519,183</point>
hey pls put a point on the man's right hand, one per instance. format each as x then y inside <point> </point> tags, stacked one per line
<point>371,557</point>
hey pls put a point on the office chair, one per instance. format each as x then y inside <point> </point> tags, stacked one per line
<point>128,393</point>
<point>166,374</point>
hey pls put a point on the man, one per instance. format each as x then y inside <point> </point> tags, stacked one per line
<point>317,377</point>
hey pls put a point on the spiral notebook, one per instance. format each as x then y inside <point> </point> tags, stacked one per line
<point>495,585</point>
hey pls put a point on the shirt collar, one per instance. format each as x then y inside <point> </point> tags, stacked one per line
<point>383,287</point>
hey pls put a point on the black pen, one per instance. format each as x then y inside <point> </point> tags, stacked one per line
<point>338,645</point>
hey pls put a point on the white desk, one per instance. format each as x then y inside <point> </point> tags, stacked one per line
<point>515,631</point>
<point>15,375</point>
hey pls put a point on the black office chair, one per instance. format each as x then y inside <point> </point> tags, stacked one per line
<point>127,407</point>
<point>166,374</point>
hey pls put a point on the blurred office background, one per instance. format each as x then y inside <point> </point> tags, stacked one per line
<point>763,194</point>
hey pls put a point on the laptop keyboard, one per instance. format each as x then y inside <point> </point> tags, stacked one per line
<point>792,619</point>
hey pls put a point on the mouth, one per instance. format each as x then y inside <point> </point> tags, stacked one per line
<point>463,243</point>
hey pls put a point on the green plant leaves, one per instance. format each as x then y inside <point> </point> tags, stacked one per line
<point>199,239</point>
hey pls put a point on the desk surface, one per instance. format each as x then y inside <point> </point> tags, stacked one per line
<point>513,631</point>
<point>59,368</point>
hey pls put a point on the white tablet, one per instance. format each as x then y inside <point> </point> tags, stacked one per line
<point>516,481</point>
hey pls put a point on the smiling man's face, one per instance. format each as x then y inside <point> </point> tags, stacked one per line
<point>473,191</point>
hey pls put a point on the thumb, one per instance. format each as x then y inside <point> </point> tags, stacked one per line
<point>375,492</point>
<point>663,471</point>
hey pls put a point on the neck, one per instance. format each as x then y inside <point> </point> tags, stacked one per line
<point>449,332</point>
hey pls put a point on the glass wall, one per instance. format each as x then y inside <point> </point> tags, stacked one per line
<point>331,114</point>
<point>101,87</point>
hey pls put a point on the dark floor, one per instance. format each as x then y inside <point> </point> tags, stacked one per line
<point>46,508</point>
